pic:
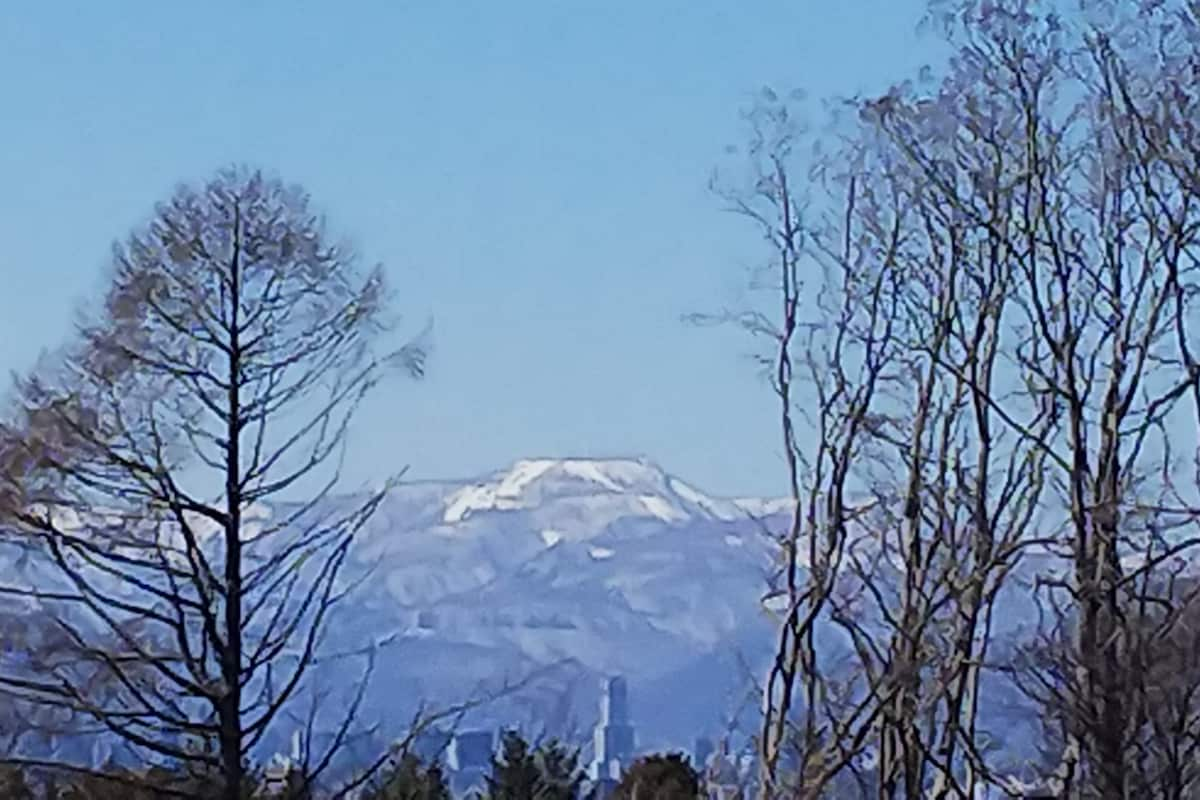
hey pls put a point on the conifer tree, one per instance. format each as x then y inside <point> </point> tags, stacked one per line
<point>559,771</point>
<point>13,784</point>
<point>514,774</point>
<point>411,780</point>
<point>548,772</point>
<point>659,777</point>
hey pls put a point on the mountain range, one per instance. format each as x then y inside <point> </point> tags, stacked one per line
<point>570,570</point>
<point>529,586</point>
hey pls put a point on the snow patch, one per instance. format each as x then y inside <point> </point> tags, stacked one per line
<point>734,541</point>
<point>721,509</point>
<point>601,553</point>
<point>763,507</point>
<point>662,509</point>
<point>521,475</point>
<point>590,471</point>
<point>203,527</point>
<point>551,537</point>
<point>257,511</point>
<point>777,603</point>
<point>503,494</point>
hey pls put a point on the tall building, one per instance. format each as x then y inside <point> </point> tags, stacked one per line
<point>722,779</point>
<point>470,760</point>
<point>432,744</point>
<point>614,740</point>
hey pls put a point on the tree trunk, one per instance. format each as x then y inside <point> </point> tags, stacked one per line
<point>231,662</point>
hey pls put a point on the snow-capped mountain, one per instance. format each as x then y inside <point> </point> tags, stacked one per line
<point>588,567</point>
<point>576,569</point>
<point>553,574</point>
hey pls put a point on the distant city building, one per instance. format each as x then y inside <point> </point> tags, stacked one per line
<point>281,766</point>
<point>613,742</point>
<point>599,789</point>
<point>470,761</point>
<point>275,777</point>
<point>722,778</point>
<point>472,749</point>
<point>467,755</point>
<point>432,744</point>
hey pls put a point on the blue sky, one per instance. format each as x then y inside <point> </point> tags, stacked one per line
<point>532,174</point>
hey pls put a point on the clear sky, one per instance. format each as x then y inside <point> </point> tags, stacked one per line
<point>532,173</point>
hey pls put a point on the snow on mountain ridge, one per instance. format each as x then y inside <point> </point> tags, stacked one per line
<point>572,569</point>
<point>578,568</point>
<point>530,482</point>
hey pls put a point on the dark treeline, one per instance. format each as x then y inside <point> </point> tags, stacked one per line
<point>550,771</point>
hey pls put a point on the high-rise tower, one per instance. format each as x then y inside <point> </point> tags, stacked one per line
<point>613,743</point>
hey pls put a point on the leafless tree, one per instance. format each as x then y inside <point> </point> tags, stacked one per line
<point>175,473</point>
<point>1012,248</point>
<point>831,355</point>
<point>1085,120</point>
<point>1052,148</point>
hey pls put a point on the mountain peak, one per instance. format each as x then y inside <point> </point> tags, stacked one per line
<point>531,481</point>
<point>632,486</point>
<point>614,474</point>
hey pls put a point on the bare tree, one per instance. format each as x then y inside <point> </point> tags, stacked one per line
<point>1057,144</point>
<point>1103,244</point>
<point>831,356</point>
<point>1001,295</point>
<point>176,472</point>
